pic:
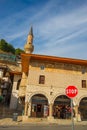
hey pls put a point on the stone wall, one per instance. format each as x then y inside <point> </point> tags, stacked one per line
<point>57,77</point>
<point>14,95</point>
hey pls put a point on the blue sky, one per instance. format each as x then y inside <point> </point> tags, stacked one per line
<point>59,26</point>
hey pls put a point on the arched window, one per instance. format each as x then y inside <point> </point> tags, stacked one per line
<point>18,84</point>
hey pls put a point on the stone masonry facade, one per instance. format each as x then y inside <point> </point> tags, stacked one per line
<point>57,77</point>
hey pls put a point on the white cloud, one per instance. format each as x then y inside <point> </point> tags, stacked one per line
<point>71,50</point>
<point>61,29</point>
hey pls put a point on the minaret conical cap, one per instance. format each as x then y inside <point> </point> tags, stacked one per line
<point>31,31</point>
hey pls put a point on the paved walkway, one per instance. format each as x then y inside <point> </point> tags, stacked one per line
<point>9,122</point>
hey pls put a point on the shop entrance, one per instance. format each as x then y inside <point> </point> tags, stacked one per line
<point>39,106</point>
<point>39,112</point>
<point>83,108</point>
<point>61,108</point>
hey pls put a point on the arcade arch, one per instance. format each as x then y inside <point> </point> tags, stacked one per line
<point>61,107</point>
<point>39,105</point>
<point>83,108</point>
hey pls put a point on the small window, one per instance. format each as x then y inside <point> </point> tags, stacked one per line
<point>41,79</point>
<point>83,83</point>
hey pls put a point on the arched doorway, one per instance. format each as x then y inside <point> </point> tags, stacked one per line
<point>83,108</point>
<point>39,106</point>
<point>61,107</point>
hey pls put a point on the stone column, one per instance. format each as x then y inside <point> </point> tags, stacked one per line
<point>76,111</point>
<point>25,116</point>
<point>26,106</point>
<point>29,109</point>
<point>50,117</point>
<point>50,109</point>
<point>77,114</point>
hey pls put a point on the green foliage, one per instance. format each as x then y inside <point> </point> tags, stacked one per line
<point>6,47</point>
<point>11,48</point>
<point>18,51</point>
<point>3,45</point>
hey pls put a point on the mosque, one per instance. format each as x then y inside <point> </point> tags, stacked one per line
<point>39,89</point>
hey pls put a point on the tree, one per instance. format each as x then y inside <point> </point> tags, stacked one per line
<point>18,51</point>
<point>11,49</point>
<point>6,47</point>
<point>3,45</point>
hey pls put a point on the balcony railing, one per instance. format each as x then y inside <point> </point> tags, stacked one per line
<point>7,57</point>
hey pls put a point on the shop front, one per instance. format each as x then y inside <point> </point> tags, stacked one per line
<point>39,107</point>
<point>83,108</point>
<point>61,107</point>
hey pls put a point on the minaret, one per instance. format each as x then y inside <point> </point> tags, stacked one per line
<point>29,45</point>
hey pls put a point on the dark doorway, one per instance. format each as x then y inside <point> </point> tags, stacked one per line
<point>39,103</point>
<point>39,110</point>
<point>83,108</point>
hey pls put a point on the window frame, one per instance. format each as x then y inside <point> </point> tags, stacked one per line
<point>42,79</point>
<point>84,84</point>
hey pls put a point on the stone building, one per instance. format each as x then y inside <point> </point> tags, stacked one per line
<point>38,84</point>
<point>43,83</point>
<point>10,74</point>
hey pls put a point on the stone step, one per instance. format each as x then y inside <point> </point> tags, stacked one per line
<point>37,119</point>
<point>33,119</point>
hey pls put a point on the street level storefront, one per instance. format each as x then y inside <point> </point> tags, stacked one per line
<point>62,108</point>
<point>39,106</point>
<point>83,108</point>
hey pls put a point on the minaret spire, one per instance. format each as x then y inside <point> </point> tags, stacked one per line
<point>29,44</point>
<point>31,31</point>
